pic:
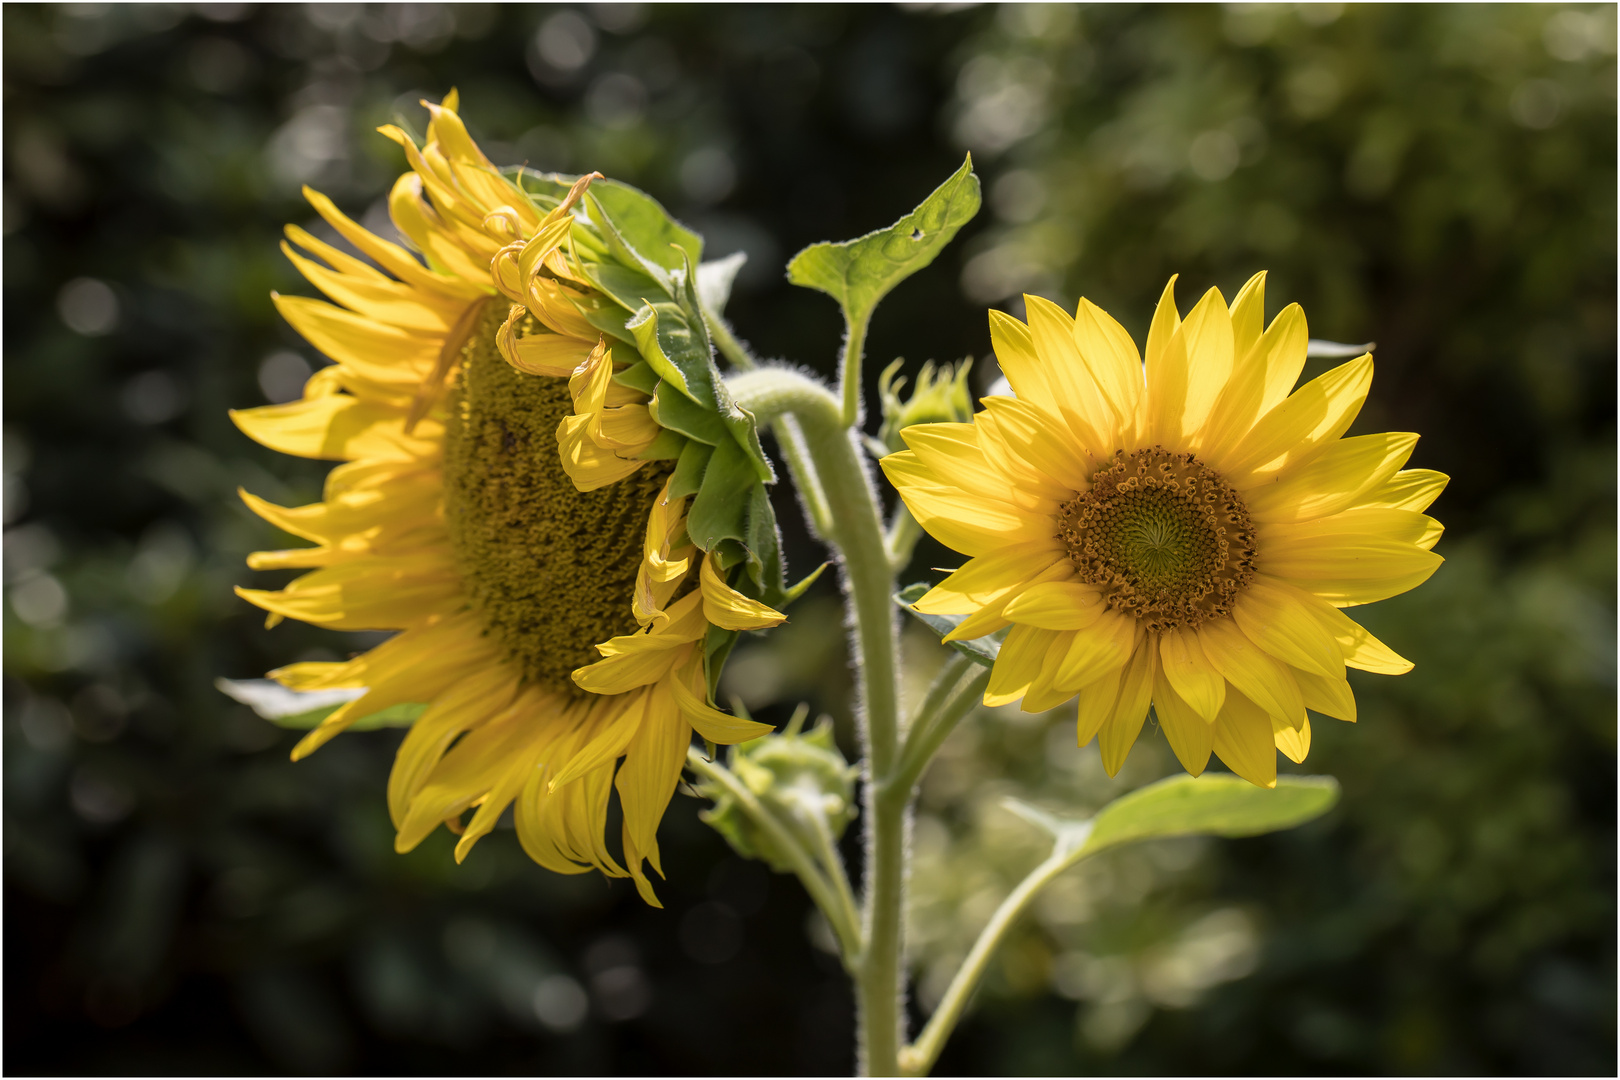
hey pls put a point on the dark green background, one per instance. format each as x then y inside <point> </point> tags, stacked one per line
<point>180,898</point>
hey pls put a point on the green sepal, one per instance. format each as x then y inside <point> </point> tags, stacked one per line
<point>621,211</point>
<point>672,409</point>
<point>982,650</point>
<point>638,376</point>
<point>667,445</point>
<point>800,587</point>
<point>720,509</point>
<point>858,273</point>
<point>688,476</point>
<point>717,645</point>
<point>715,278</point>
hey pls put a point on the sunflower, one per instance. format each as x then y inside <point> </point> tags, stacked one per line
<point>1183,534</point>
<point>508,503</point>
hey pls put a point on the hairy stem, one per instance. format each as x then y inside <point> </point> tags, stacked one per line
<point>855,529</point>
<point>934,725</point>
<point>830,899</point>
<point>850,370</point>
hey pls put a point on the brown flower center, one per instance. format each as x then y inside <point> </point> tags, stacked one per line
<point>1165,538</point>
<point>552,569</point>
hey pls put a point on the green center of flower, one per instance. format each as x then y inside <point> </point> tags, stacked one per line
<point>552,569</point>
<point>1165,538</point>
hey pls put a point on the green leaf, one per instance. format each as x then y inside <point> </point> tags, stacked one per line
<point>688,476</point>
<point>672,409</point>
<point>981,650</point>
<point>720,510</point>
<point>303,710</point>
<point>1216,804</point>
<point>859,273</point>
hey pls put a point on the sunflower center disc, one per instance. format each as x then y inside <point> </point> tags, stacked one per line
<point>1167,540</point>
<point>552,569</point>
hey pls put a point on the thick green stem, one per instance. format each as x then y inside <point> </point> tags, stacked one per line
<point>855,528</point>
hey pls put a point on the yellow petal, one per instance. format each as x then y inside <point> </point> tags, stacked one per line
<point>1017,665</point>
<point>989,577</point>
<point>1360,648</point>
<point>1276,619</point>
<point>1349,567</point>
<point>1111,358</point>
<point>1014,346</point>
<point>1410,489</point>
<point>391,302</point>
<point>1244,740</point>
<point>374,594</point>
<point>1100,649</point>
<point>588,464</point>
<point>1044,694</point>
<point>337,427</point>
<point>711,723</point>
<point>1294,744</point>
<point>1165,397</point>
<point>615,721</point>
<point>1333,480</point>
<point>1096,705</point>
<point>1194,679</point>
<point>1207,338</point>
<point>1248,316</point>
<point>1311,417</point>
<point>1031,478</point>
<point>729,609</point>
<point>952,454</point>
<point>1053,332</point>
<point>1330,697</point>
<point>483,694</point>
<point>1056,605</point>
<point>648,777</point>
<point>1119,734</point>
<point>1255,674</point>
<point>356,341</point>
<point>547,354</point>
<point>1030,434</point>
<point>1261,379</point>
<point>1190,735</point>
<point>390,256</point>
<point>468,771</point>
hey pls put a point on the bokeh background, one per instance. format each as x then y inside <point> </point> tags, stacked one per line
<point>179,898</point>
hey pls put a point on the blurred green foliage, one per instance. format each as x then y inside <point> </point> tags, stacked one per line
<point>180,898</point>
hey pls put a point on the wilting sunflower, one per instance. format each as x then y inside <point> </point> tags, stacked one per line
<point>1183,536</point>
<point>509,504</point>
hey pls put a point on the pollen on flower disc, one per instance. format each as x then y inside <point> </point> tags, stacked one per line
<point>1167,540</point>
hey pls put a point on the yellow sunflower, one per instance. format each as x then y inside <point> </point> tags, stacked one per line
<point>510,506</point>
<point>1182,534</point>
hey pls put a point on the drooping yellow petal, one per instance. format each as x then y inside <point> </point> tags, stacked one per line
<point>1275,618</point>
<point>1191,736</point>
<point>1294,743</point>
<point>1248,667</point>
<point>1186,670</point>
<point>481,695</point>
<point>729,609</point>
<point>1245,741</point>
<point>1044,693</point>
<point>711,723</point>
<point>647,780</point>
<point>1330,697</point>
<point>1017,665</point>
<point>1124,724</point>
<point>1096,705</point>
<point>1098,650</point>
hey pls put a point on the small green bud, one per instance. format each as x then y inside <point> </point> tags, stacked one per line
<point>941,396</point>
<point>798,777</point>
